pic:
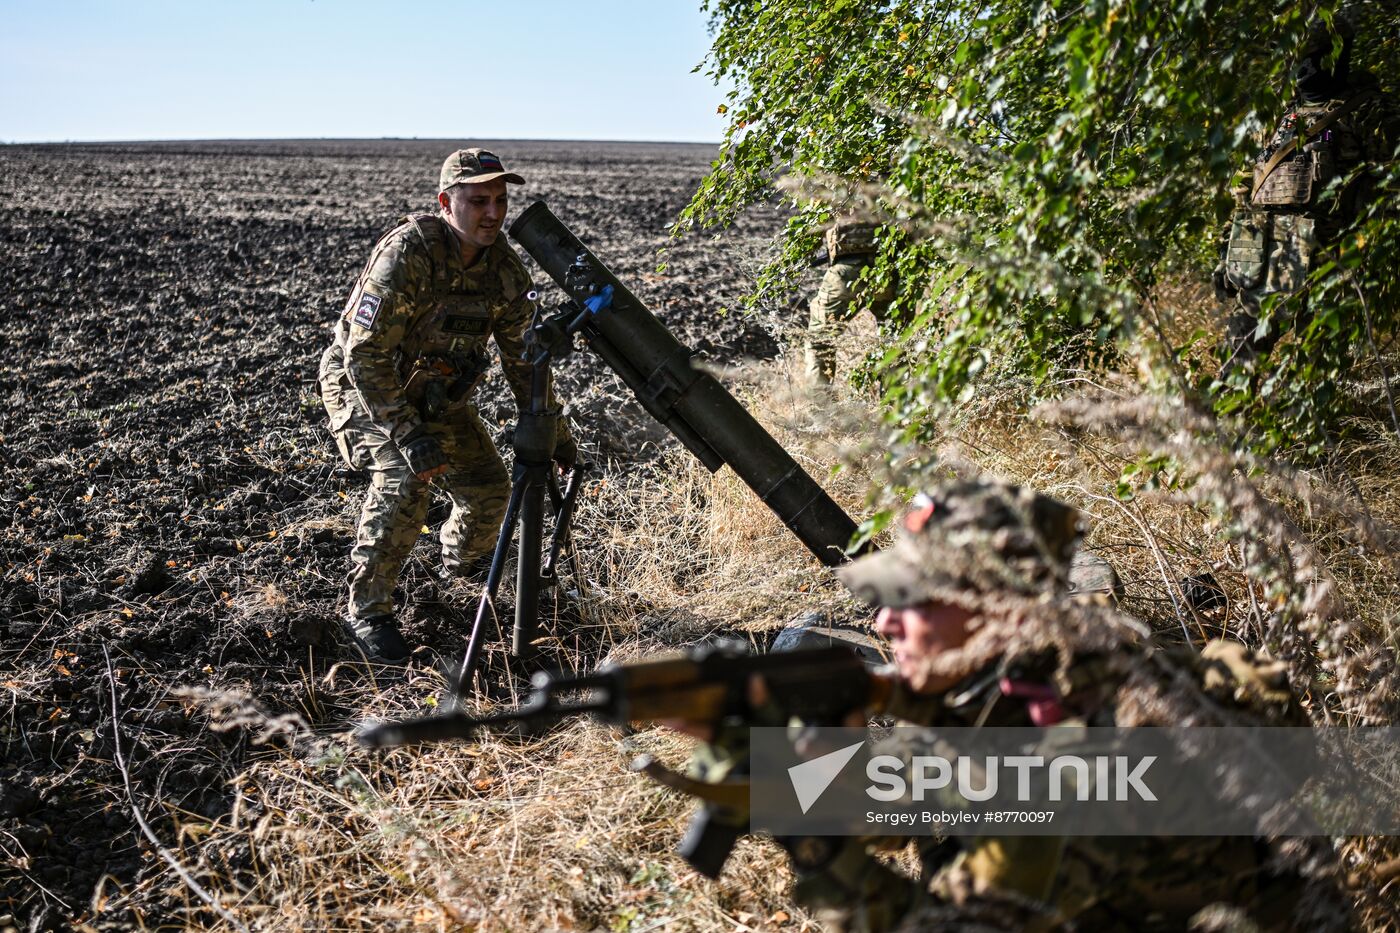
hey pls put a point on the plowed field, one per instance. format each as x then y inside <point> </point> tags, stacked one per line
<point>172,513</point>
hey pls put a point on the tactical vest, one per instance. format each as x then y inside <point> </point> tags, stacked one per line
<point>849,240</point>
<point>1293,206</point>
<point>448,344</point>
<point>443,356</point>
<point>1315,146</point>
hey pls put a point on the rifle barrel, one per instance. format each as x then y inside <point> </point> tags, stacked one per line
<point>413,731</point>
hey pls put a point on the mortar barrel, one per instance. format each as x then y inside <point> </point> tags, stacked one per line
<point>692,404</point>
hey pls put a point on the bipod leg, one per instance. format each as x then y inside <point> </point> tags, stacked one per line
<point>488,595</point>
<point>563,518</point>
<point>527,559</point>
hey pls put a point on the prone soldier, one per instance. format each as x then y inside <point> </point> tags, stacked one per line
<point>975,602</point>
<point>409,348</point>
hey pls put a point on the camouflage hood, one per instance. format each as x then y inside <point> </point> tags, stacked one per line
<point>968,539</point>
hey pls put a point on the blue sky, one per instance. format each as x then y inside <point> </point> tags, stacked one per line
<point>215,69</point>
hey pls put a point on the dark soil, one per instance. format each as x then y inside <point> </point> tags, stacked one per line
<point>172,513</point>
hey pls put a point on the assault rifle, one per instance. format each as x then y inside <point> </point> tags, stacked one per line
<point>710,685</point>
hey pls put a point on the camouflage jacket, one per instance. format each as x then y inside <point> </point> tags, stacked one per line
<point>413,334</point>
<point>1037,882</point>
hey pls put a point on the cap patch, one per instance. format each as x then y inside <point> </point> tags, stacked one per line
<point>487,161</point>
<point>368,310</point>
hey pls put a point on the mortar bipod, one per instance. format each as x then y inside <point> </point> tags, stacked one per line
<point>532,478</point>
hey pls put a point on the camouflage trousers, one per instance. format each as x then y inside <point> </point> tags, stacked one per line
<point>396,503</point>
<point>1268,257</point>
<point>832,307</point>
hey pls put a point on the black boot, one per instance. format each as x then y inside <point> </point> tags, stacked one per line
<point>473,570</point>
<point>380,638</point>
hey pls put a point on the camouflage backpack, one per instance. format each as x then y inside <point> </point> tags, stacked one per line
<point>850,239</point>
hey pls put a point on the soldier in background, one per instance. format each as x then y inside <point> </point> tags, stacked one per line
<point>850,249</point>
<point>976,605</point>
<point>397,382</point>
<point>1304,189</point>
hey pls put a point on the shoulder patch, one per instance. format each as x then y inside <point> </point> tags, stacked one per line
<point>367,310</point>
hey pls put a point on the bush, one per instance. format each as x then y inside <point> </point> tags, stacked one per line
<point>1056,161</point>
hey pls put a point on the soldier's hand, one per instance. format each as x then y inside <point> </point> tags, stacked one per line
<point>696,730</point>
<point>760,700</point>
<point>756,692</point>
<point>425,457</point>
<point>566,453</point>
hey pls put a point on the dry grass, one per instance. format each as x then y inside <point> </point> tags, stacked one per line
<point>550,834</point>
<point>554,833</point>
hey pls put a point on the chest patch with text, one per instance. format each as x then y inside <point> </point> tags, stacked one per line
<point>470,325</point>
<point>368,310</point>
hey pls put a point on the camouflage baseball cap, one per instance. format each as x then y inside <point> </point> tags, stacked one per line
<point>975,537</point>
<point>470,166</point>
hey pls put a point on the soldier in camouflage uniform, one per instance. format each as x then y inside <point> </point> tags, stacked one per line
<point>966,597</point>
<point>1305,187</point>
<point>850,249</point>
<point>397,383</point>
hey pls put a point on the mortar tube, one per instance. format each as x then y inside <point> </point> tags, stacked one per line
<point>657,368</point>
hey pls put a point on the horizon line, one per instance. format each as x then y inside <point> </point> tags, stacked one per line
<point>285,139</point>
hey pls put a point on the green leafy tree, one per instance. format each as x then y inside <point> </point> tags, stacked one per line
<point>1056,161</point>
